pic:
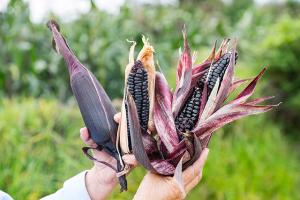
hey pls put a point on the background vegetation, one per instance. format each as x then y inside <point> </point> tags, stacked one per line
<point>254,158</point>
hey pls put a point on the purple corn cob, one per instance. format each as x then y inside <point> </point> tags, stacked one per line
<point>94,104</point>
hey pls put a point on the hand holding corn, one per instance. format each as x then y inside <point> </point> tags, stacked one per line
<point>103,178</point>
<point>168,188</point>
<point>100,179</point>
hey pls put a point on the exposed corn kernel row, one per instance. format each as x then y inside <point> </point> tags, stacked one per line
<point>137,83</point>
<point>217,70</point>
<point>187,118</point>
<point>128,128</point>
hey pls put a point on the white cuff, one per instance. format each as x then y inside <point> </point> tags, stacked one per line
<point>74,189</point>
<point>4,196</point>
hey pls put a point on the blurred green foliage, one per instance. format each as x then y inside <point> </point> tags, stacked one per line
<point>32,68</point>
<point>40,147</point>
<point>281,51</point>
<point>42,150</point>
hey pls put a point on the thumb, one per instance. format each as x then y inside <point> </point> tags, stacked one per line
<point>199,164</point>
<point>117,117</point>
<point>195,170</point>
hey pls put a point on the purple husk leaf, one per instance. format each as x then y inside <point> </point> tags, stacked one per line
<point>161,87</point>
<point>196,77</point>
<point>248,91</point>
<point>176,155</point>
<point>201,67</point>
<point>211,102</point>
<point>227,114</point>
<point>197,145</point>
<point>149,143</point>
<point>163,167</point>
<point>164,124</point>
<point>157,165</point>
<point>259,100</point>
<point>222,49</point>
<point>183,86</point>
<point>236,84</point>
<point>61,46</point>
<point>162,114</point>
<point>227,81</point>
<point>206,64</point>
<point>204,142</point>
<point>179,71</point>
<point>203,98</point>
<point>212,55</point>
<point>166,166</point>
<point>136,134</point>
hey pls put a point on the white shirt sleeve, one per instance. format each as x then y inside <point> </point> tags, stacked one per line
<point>4,196</point>
<point>74,189</point>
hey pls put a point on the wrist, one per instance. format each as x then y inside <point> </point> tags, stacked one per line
<point>100,181</point>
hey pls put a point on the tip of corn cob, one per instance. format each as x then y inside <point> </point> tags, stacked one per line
<point>57,37</point>
<point>146,54</point>
<point>51,23</point>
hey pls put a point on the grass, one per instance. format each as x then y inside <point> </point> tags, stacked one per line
<point>250,160</point>
<point>40,149</point>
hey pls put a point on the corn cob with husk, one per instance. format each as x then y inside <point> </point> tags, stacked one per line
<point>185,119</point>
<point>95,106</point>
<point>139,83</point>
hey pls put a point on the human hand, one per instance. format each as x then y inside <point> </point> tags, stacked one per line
<point>101,179</point>
<point>159,187</point>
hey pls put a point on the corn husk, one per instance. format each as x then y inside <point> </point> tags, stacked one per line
<point>95,106</point>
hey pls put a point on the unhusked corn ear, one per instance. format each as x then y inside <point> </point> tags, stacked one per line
<point>137,83</point>
<point>94,104</point>
<point>188,117</point>
<point>96,109</point>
